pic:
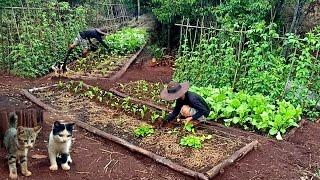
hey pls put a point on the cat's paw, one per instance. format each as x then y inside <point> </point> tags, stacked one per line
<point>53,167</point>
<point>69,160</point>
<point>13,176</point>
<point>27,173</point>
<point>65,166</point>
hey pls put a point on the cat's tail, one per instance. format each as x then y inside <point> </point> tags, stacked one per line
<point>13,120</point>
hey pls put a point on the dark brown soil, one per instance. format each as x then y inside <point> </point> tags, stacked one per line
<point>141,69</point>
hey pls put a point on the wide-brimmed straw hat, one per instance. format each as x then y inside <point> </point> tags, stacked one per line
<point>101,31</point>
<point>174,91</point>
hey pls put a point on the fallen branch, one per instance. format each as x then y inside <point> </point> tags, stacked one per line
<point>106,166</point>
<point>42,88</point>
<point>234,157</point>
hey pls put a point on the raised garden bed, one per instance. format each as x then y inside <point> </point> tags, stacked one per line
<point>97,66</point>
<point>202,163</point>
<point>123,48</point>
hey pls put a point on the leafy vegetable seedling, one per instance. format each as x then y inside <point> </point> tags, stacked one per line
<point>194,141</point>
<point>143,131</point>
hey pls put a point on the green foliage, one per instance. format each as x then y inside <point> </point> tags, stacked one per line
<point>156,51</point>
<point>143,130</point>
<point>39,38</point>
<point>189,127</point>
<point>127,40</point>
<point>194,141</point>
<point>232,13</point>
<point>255,63</point>
<point>254,112</point>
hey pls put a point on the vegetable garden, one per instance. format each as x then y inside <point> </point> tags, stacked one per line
<point>255,63</point>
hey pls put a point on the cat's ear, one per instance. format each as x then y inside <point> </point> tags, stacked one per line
<point>20,130</point>
<point>70,126</point>
<point>56,124</point>
<point>37,129</point>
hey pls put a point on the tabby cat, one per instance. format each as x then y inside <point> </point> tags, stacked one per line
<point>60,142</point>
<point>18,142</point>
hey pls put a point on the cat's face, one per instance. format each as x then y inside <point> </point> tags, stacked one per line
<point>62,132</point>
<point>27,136</point>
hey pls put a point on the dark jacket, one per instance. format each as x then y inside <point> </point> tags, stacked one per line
<point>92,33</point>
<point>193,100</point>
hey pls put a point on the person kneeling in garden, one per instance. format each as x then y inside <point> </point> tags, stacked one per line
<point>189,105</point>
<point>83,39</point>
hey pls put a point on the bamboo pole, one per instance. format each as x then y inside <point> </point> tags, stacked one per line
<point>180,40</point>
<point>227,30</point>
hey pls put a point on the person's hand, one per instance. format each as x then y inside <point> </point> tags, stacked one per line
<point>188,119</point>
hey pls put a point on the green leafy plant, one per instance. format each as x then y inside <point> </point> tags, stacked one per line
<point>154,116</point>
<point>127,40</point>
<point>34,45</point>
<point>255,112</point>
<point>194,141</point>
<point>143,130</point>
<point>189,127</point>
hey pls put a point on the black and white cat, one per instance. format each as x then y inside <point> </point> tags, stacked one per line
<point>59,148</point>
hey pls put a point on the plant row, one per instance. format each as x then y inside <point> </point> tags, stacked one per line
<point>150,116</point>
<point>123,104</point>
<point>251,112</point>
<point>144,90</point>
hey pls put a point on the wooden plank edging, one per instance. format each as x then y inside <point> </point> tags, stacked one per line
<point>147,153</point>
<point>234,157</point>
<point>114,77</point>
<point>120,73</point>
<point>120,94</point>
<point>37,101</point>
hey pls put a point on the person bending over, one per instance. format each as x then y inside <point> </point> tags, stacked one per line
<point>189,105</point>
